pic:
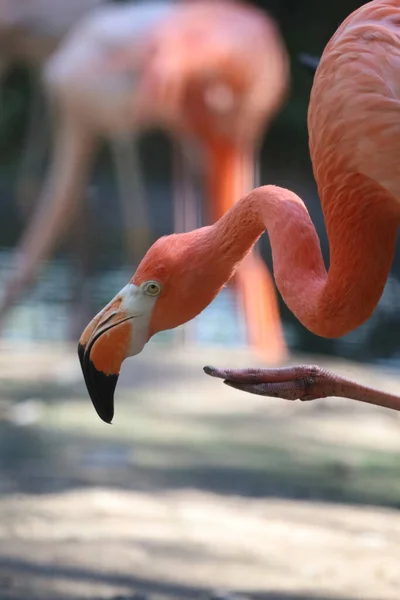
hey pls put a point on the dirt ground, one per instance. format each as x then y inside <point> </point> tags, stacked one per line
<point>195,486</point>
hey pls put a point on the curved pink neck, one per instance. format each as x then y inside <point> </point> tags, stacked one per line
<point>362,222</point>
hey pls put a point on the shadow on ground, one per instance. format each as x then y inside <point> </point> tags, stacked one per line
<point>228,454</point>
<point>142,588</point>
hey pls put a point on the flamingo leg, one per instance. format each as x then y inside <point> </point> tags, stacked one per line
<point>305,383</point>
<point>185,203</point>
<point>81,243</point>
<point>132,190</point>
<point>56,207</point>
<point>264,330</point>
<point>232,174</point>
<point>35,146</point>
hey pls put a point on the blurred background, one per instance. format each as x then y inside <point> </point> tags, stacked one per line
<point>194,487</point>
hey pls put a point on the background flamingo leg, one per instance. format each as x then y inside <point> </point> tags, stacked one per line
<point>185,204</point>
<point>132,192</point>
<point>233,174</point>
<point>35,148</point>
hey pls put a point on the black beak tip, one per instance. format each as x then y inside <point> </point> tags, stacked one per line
<point>101,391</point>
<point>81,354</point>
<point>101,387</point>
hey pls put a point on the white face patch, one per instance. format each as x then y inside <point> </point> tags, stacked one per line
<point>139,305</point>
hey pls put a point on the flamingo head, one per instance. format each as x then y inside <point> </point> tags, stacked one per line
<point>193,71</point>
<point>194,97</point>
<point>217,68</point>
<point>175,281</point>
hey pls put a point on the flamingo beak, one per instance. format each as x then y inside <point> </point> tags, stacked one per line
<point>101,357</point>
<point>118,331</point>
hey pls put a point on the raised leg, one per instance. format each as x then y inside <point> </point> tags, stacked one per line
<point>305,382</point>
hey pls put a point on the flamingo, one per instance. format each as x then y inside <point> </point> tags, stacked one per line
<point>354,132</point>
<point>126,68</point>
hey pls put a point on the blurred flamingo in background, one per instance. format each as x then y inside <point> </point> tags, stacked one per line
<point>209,72</point>
<point>220,72</point>
<point>354,129</point>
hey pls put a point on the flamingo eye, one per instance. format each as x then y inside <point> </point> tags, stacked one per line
<point>151,288</point>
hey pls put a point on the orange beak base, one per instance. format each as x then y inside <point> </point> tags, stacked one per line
<point>102,349</point>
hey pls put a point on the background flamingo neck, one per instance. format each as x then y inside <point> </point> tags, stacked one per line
<point>362,222</point>
<point>230,174</point>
